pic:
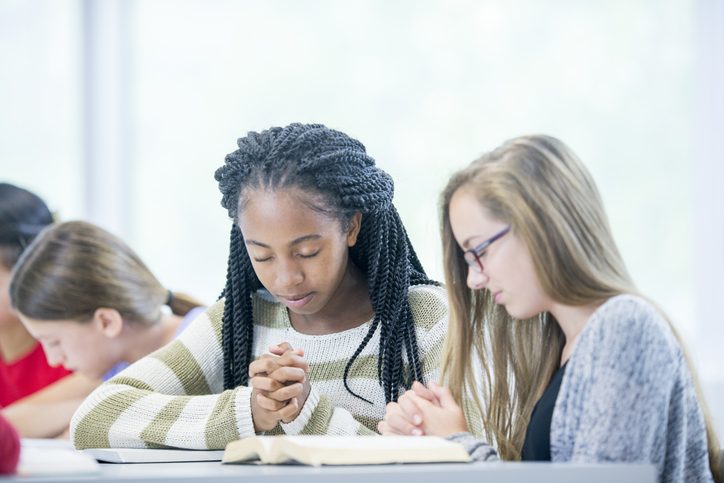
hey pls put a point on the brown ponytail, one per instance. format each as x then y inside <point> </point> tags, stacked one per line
<point>73,268</point>
<point>182,304</point>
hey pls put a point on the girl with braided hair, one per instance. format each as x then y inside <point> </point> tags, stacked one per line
<point>327,314</point>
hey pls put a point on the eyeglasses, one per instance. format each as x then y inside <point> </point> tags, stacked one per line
<point>472,257</point>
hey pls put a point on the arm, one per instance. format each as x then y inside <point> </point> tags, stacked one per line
<point>478,449</point>
<point>47,412</point>
<point>173,397</point>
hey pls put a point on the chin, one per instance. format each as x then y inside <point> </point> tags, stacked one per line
<point>521,313</point>
<point>306,310</point>
<point>90,374</point>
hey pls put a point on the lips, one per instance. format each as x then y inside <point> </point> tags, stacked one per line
<point>296,301</point>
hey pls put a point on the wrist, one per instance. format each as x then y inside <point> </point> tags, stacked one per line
<point>305,414</point>
<point>243,412</point>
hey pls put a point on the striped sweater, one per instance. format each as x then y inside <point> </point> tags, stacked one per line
<point>175,397</point>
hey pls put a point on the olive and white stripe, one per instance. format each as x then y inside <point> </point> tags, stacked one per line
<point>174,397</point>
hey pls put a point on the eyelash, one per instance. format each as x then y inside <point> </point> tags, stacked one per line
<point>259,260</point>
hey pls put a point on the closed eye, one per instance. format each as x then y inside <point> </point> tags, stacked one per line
<point>262,259</point>
<point>311,255</point>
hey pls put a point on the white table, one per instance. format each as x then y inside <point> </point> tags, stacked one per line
<point>412,473</point>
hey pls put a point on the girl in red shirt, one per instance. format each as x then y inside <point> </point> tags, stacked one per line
<point>23,366</point>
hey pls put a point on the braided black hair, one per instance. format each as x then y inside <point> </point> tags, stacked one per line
<point>335,167</point>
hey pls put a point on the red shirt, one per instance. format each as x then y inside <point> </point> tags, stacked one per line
<point>27,375</point>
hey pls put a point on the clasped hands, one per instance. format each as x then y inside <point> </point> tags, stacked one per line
<point>422,411</point>
<point>280,386</point>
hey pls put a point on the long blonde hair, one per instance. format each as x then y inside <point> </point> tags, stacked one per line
<point>542,190</point>
<point>73,268</point>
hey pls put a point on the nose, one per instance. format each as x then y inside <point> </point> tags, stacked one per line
<point>54,357</point>
<point>289,274</point>
<point>477,280</point>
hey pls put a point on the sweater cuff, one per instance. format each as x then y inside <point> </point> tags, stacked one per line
<point>296,426</point>
<point>242,408</point>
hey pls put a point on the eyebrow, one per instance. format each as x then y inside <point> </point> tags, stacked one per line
<point>466,243</point>
<point>291,244</point>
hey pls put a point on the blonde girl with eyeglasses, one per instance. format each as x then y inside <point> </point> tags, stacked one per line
<point>549,339</point>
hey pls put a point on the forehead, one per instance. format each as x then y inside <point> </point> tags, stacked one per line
<point>282,216</point>
<point>51,328</point>
<point>464,205</point>
<point>470,221</point>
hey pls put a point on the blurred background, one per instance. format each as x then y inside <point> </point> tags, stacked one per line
<point>119,111</point>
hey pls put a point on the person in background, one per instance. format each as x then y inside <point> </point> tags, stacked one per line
<point>92,303</point>
<point>27,382</point>
<point>577,366</point>
<point>327,313</point>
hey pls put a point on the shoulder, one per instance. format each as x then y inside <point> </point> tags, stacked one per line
<point>630,330</point>
<point>188,318</point>
<point>429,305</point>
<point>215,312</point>
<point>202,320</point>
<point>630,317</point>
<point>267,311</point>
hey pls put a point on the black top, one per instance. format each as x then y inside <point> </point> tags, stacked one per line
<point>537,444</point>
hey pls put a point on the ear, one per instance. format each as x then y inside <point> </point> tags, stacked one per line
<point>353,228</point>
<point>108,321</point>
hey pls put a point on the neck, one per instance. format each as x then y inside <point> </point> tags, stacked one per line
<point>572,320</point>
<point>349,307</point>
<point>140,340</point>
<point>15,342</point>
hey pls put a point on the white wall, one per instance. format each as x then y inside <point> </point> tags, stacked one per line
<point>120,111</point>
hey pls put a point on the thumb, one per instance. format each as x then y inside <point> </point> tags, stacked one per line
<point>280,349</point>
<point>447,401</point>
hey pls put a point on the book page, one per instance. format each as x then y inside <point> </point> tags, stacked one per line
<point>344,450</point>
<point>249,450</point>
<point>365,443</point>
<point>354,450</point>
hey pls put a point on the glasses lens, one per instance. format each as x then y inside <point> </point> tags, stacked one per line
<point>473,261</point>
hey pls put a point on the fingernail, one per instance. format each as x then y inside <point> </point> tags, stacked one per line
<point>416,432</point>
<point>416,419</point>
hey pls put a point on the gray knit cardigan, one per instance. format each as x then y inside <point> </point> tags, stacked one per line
<point>627,396</point>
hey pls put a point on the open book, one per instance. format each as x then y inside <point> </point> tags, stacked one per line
<point>343,450</point>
